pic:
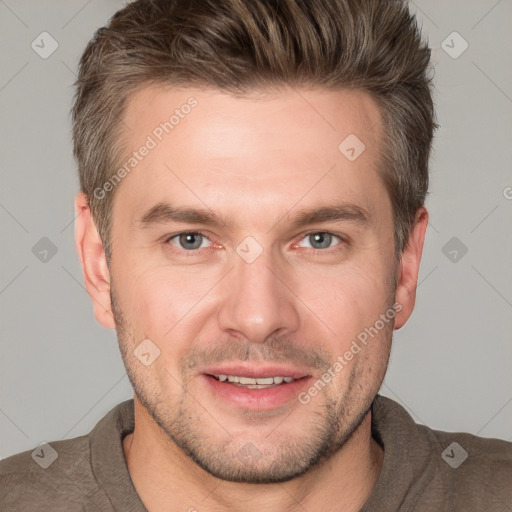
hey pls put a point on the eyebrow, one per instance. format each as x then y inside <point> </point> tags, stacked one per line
<point>163,213</point>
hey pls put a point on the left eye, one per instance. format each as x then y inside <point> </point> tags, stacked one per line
<point>320,239</point>
<point>189,241</point>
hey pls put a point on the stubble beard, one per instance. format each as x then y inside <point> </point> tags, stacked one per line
<point>332,425</point>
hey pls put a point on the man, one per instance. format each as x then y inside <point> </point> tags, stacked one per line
<point>251,221</point>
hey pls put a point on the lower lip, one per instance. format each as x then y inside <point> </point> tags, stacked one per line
<point>257,399</point>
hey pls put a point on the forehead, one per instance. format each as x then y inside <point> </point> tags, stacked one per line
<point>209,147</point>
<point>329,115</point>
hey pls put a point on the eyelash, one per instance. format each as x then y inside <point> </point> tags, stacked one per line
<point>194,252</point>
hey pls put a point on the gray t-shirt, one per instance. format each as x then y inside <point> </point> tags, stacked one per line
<point>423,469</point>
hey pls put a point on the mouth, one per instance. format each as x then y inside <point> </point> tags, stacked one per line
<point>253,383</point>
<point>256,389</point>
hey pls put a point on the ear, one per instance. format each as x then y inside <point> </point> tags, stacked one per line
<point>94,264</point>
<point>408,268</point>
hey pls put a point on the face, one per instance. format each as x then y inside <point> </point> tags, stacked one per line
<point>255,255</point>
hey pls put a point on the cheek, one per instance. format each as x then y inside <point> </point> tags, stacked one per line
<point>144,300</point>
<point>161,304</point>
<point>349,300</point>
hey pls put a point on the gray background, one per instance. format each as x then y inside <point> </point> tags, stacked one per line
<point>450,365</point>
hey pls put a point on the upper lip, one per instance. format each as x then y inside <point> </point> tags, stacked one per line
<point>255,372</point>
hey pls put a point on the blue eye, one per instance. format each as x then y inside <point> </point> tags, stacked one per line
<point>194,241</point>
<point>320,239</point>
<point>189,240</point>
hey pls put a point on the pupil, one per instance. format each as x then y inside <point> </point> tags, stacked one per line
<point>188,238</point>
<point>322,238</point>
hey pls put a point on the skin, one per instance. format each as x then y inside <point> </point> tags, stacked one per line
<point>256,160</point>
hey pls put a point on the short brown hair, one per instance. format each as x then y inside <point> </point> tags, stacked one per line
<point>240,46</point>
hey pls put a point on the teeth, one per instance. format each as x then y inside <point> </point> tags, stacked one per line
<point>266,380</point>
<point>247,380</point>
<point>256,383</point>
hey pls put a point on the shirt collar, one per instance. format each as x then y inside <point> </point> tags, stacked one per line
<point>407,468</point>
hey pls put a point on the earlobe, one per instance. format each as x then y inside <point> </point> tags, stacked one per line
<point>92,259</point>
<point>409,265</point>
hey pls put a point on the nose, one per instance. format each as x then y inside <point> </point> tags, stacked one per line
<point>258,300</point>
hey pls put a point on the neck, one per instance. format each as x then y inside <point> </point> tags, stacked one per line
<point>166,479</point>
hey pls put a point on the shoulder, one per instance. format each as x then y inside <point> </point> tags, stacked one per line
<point>455,449</point>
<point>72,474</point>
<point>475,469</point>
<point>58,472</point>
<point>53,457</point>
<point>461,447</point>
<point>436,470</point>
